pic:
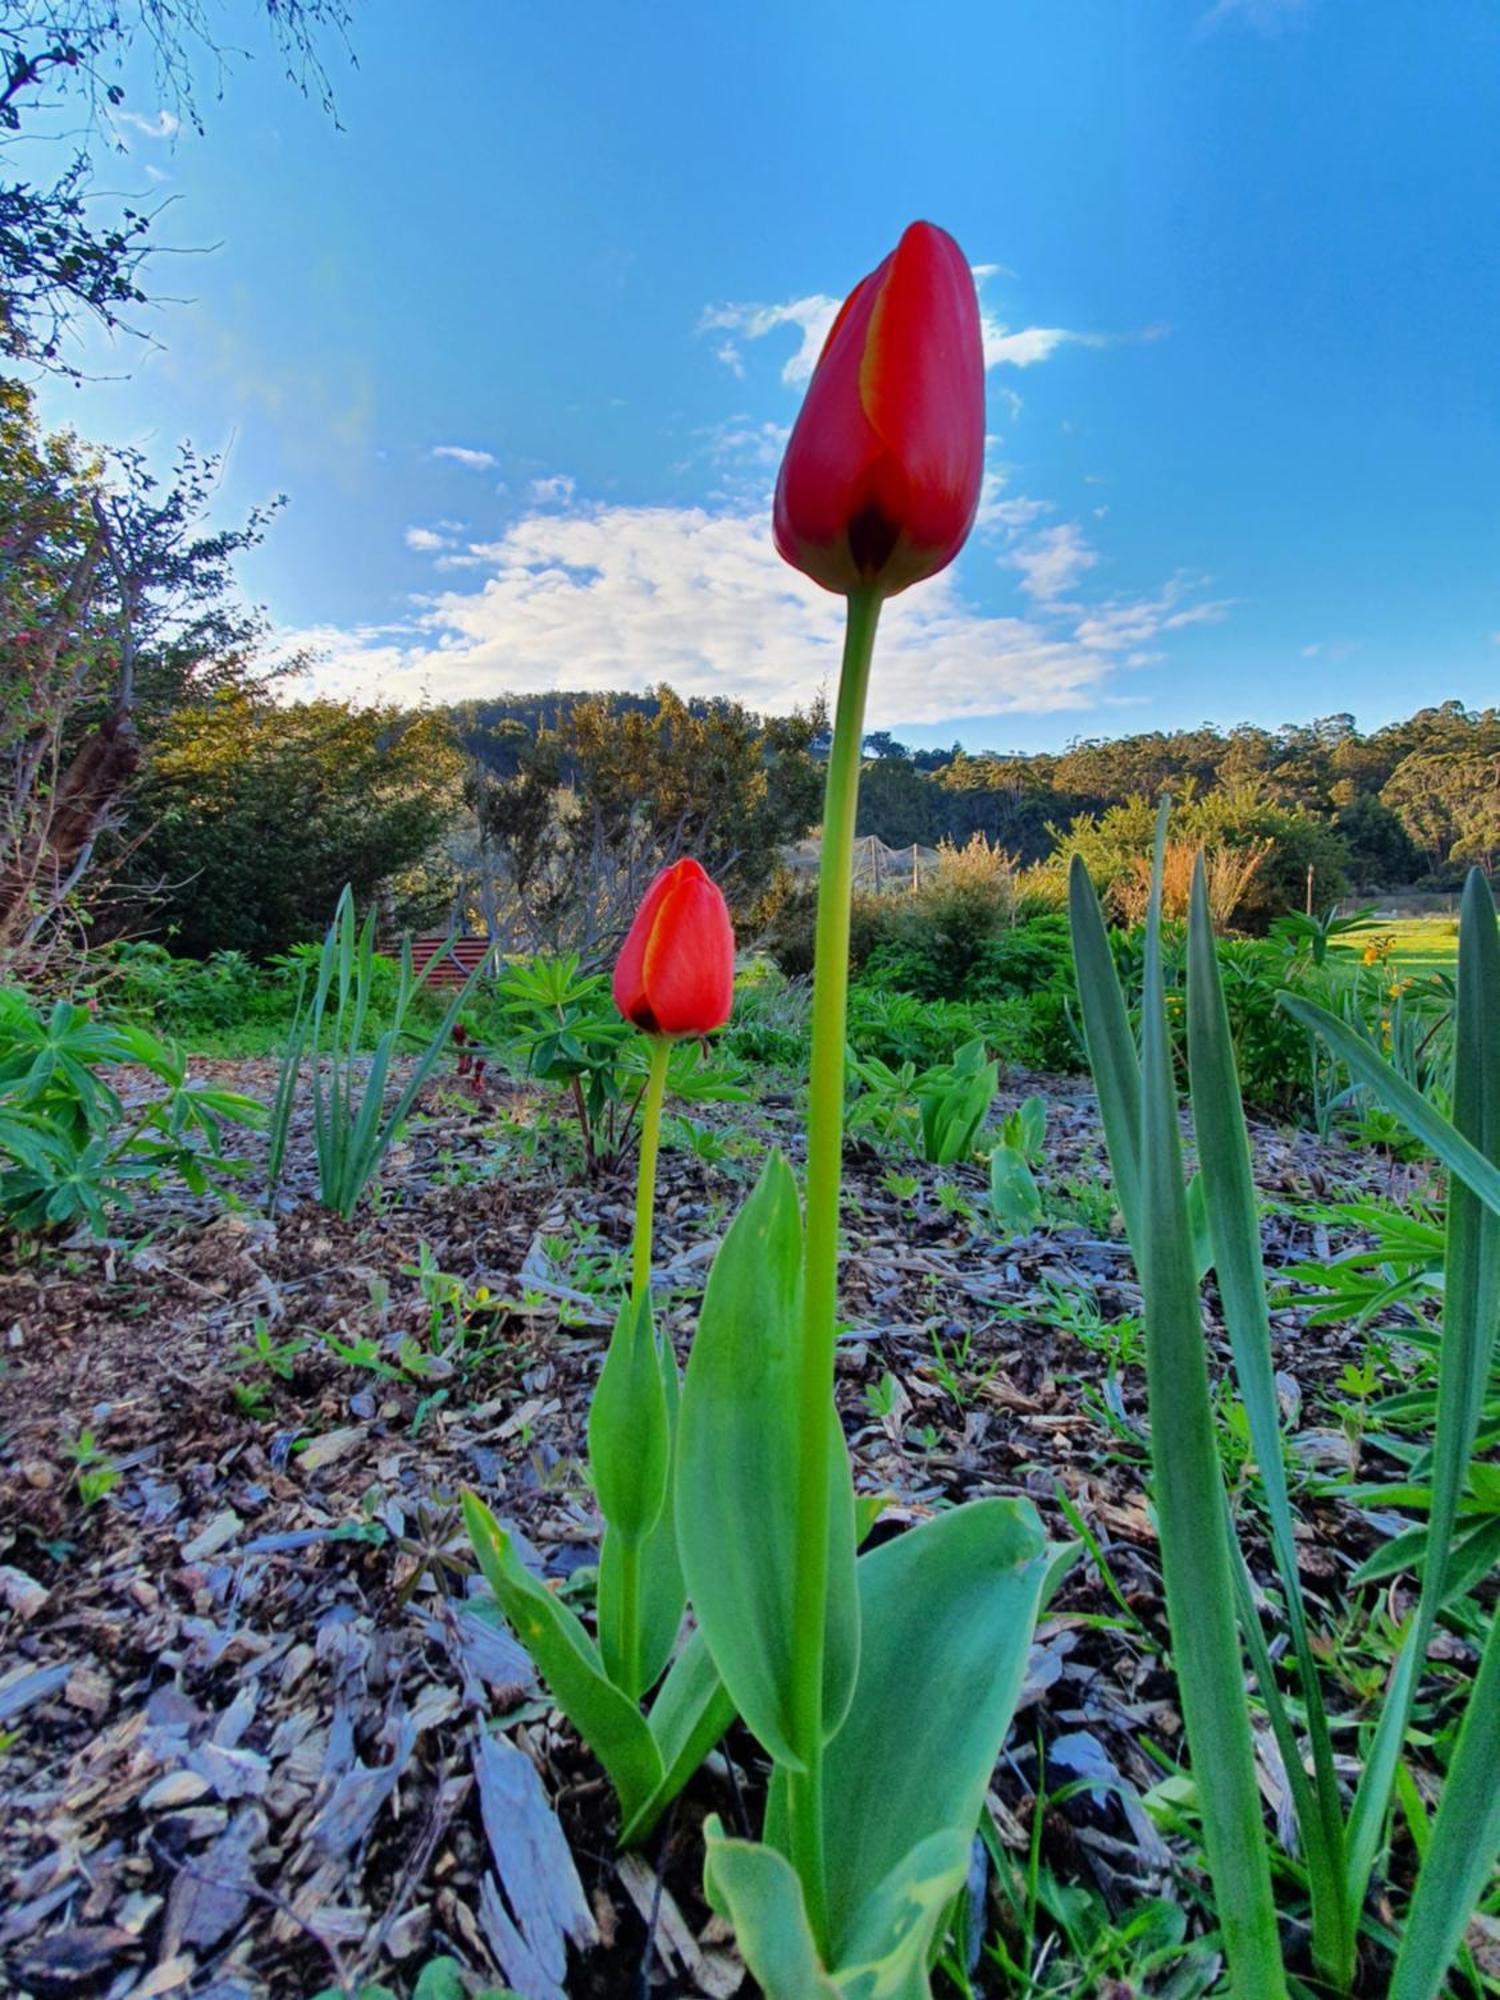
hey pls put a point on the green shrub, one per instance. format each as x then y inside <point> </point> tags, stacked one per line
<point>770,1024</point>
<point>790,915</point>
<point>1025,959</point>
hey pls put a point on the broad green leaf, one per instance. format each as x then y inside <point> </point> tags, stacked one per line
<point>946,1618</point>
<point>607,1720</point>
<point>738,1469</point>
<point>691,1712</point>
<point>629,1431</point>
<point>758,1891</point>
<point>663,1592</point>
<point>1015,1198</point>
<point>440,1979</point>
<point>889,1946</point>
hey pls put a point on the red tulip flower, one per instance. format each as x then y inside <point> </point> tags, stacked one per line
<point>675,972</point>
<point>881,479</point>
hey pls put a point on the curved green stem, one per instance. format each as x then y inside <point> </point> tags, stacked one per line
<point>645,1181</point>
<point>825,1144</point>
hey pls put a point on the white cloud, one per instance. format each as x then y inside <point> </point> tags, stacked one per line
<point>1052,562</point>
<point>812,317</point>
<point>624,597</point>
<point>1004,347</point>
<point>426,541</point>
<point>556,491</point>
<point>466,455</point>
<point>165,125</point>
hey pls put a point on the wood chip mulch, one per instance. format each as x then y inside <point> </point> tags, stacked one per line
<point>246,1696</point>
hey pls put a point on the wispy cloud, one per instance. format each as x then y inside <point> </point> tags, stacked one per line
<point>1053,562</point>
<point>1004,346</point>
<point>554,491</point>
<point>466,455</point>
<point>165,125</point>
<point>625,597</point>
<point>427,541</point>
<point>811,316</point>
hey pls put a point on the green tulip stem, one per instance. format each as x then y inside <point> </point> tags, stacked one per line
<point>825,1144</point>
<point>645,1183</point>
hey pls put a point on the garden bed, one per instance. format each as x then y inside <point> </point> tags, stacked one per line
<point>244,1690</point>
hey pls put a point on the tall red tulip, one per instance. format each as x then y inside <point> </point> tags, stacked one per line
<point>675,972</point>
<point>881,479</point>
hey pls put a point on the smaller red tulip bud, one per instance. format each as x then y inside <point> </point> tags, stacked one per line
<point>675,972</point>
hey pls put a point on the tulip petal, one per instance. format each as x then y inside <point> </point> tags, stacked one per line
<point>921,379</point>
<point>629,985</point>
<point>688,971</point>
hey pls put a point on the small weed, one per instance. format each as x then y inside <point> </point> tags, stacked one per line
<point>94,1471</point>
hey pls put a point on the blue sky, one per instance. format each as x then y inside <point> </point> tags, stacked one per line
<point>520,342</point>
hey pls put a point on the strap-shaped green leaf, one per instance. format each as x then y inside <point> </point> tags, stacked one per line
<point>1471,1314</point>
<point>1230,1216</point>
<point>663,1592</point>
<point>946,1618</point>
<point>1112,1052</point>
<point>1190,1501</point>
<point>1464,1846</point>
<point>738,1468</point>
<point>567,1659</point>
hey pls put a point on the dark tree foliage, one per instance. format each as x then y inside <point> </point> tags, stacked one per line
<point>66,251</point>
<point>1413,801</point>
<point>259,813</point>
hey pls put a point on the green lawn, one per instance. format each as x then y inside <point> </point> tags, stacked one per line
<point>1422,944</point>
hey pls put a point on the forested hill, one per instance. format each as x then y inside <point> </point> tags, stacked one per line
<point>1414,801</point>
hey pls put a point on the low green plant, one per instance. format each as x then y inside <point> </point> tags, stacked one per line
<point>95,1473</point>
<point>1208,1589</point>
<point>354,1126</point>
<point>599,1682</point>
<point>71,1148</point>
<point>566,1031</point>
<point>953,1102</point>
<point>1015,1195</point>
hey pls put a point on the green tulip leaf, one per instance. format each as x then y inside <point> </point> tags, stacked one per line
<point>663,1592</point>
<point>629,1427</point>
<point>691,1712</point>
<point>739,1462</point>
<point>889,1946</point>
<point>757,1890</point>
<point>568,1660</point>
<point>946,1617</point>
<point>891,1939</point>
